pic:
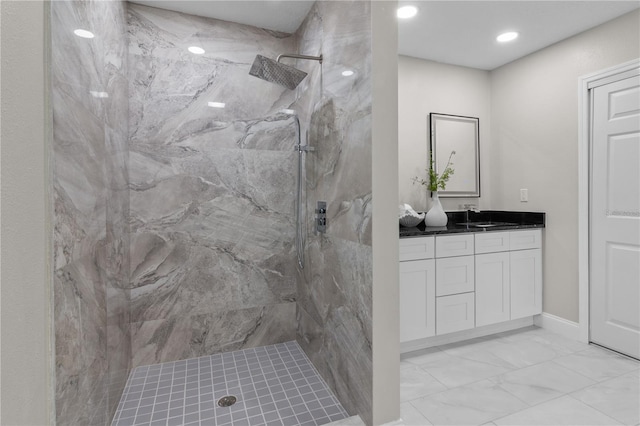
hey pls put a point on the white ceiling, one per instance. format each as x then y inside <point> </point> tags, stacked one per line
<point>464,32</point>
<point>451,31</point>
<point>277,15</point>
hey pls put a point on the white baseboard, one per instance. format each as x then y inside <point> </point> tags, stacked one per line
<point>561,326</point>
<point>465,335</point>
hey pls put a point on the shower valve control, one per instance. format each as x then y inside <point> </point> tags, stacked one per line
<point>321,217</point>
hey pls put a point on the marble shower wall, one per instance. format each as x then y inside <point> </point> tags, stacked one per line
<point>212,189</point>
<point>90,209</point>
<point>335,288</point>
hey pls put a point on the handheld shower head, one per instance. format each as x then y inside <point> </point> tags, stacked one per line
<point>275,72</point>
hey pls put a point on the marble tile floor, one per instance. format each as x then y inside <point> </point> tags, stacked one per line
<point>529,376</point>
<point>274,385</point>
<point>525,377</point>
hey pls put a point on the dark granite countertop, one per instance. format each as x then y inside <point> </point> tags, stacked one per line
<point>504,220</point>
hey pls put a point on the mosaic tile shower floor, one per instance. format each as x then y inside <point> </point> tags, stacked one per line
<point>274,385</point>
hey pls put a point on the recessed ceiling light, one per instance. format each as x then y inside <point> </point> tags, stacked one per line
<point>504,37</point>
<point>216,104</point>
<point>407,12</point>
<point>83,33</point>
<point>196,50</point>
<point>348,73</point>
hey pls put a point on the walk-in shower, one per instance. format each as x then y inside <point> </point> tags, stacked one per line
<point>276,72</point>
<point>174,198</point>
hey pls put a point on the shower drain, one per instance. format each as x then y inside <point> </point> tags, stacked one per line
<point>227,401</point>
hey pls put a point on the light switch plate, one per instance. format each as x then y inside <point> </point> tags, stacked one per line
<point>524,195</point>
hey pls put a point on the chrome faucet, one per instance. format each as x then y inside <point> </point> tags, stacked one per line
<point>468,208</point>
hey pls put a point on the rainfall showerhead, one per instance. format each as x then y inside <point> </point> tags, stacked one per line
<point>275,72</point>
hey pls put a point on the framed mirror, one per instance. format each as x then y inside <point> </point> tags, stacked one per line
<point>460,134</point>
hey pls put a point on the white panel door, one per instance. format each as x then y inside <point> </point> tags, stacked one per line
<point>525,275</point>
<point>614,279</point>
<point>417,299</point>
<point>493,297</point>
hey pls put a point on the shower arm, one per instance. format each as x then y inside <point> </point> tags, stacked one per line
<point>296,56</point>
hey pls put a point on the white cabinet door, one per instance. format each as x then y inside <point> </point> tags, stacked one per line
<point>417,300</point>
<point>454,275</point>
<point>455,313</point>
<point>492,288</point>
<point>526,282</point>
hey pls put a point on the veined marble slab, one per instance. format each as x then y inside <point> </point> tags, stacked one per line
<point>212,190</point>
<point>89,97</point>
<point>334,289</point>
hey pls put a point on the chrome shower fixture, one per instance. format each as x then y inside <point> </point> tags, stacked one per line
<point>276,72</point>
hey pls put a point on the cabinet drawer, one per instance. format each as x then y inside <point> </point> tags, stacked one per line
<point>455,313</point>
<point>523,240</point>
<point>454,275</point>
<point>417,248</point>
<point>492,242</point>
<point>454,245</point>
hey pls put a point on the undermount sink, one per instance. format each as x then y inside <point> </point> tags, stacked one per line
<point>484,224</point>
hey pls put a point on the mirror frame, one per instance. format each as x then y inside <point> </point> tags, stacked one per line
<point>475,121</point>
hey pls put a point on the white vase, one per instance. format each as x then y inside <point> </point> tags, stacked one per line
<point>436,215</point>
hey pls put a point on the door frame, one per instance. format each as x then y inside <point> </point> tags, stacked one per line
<point>585,83</point>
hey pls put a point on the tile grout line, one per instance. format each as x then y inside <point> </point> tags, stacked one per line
<point>593,382</point>
<point>282,386</point>
<point>155,397</point>
<point>497,375</point>
<point>317,374</point>
<point>508,371</point>
<point>287,369</point>
<point>538,404</point>
<point>309,384</point>
<point>587,377</point>
<point>144,382</point>
<point>277,367</point>
<point>594,408</point>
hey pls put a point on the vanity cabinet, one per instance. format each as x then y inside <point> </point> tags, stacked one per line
<point>450,283</point>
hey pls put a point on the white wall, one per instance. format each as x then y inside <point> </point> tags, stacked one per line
<point>535,142</point>
<point>386,302</point>
<point>25,228</point>
<point>427,86</point>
